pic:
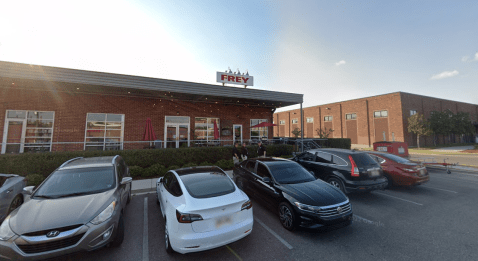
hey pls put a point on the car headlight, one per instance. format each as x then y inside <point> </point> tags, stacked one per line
<point>105,214</point>
<point>308,208</point>
<point>5,231</point>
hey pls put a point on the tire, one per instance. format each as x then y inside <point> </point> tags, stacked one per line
<point>287,216</point>
<point>119,235</point>
<point>16,202</point>
<point>167,242</point>
<point>336,183</point>
<point>389,181</point>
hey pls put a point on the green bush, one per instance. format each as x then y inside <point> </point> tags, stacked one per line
<point>154,170</point>
<point>225,164</point>
<point>34,179</point>
<point>206,164</point>
<point>173,167</point>
<point>45,163</point>
<point>189,165</point>
<point>476,147</point>
<point>136,171</point>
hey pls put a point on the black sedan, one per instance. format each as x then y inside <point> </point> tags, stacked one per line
<point>300,198</point>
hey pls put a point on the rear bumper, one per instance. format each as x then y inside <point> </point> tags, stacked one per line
<point>408,180</point>
<point>366,185</point>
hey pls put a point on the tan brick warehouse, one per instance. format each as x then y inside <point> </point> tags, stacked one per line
<point>369,119</point>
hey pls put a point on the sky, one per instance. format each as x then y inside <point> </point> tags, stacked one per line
<point>329,51</point>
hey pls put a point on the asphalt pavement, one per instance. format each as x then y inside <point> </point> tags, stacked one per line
<point>433,221</point>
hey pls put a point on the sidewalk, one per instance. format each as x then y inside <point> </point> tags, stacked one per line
<point>148,185</point>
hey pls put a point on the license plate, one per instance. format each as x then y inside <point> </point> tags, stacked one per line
<point>223,221</point>
<point>374,173</point>
<point>422,172</point>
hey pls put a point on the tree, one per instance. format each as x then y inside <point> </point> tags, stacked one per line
<point>324,134</point>
<point>296,132</point>
<point>418,125</point>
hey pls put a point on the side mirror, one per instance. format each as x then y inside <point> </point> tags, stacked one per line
<point>28,190</point>
<point>126,180</point>
<point>160,180</point>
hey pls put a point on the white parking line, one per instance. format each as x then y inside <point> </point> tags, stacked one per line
<point>457,179</point>
<point>143,193</point>
<point>397,198</point>
<point>145,232</point>
<point>440,189</point>
<point>274,234</point>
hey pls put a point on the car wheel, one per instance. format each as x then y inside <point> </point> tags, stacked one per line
<point>169,249</point>
<point>287,216</point>
<point>389,181</point>
<point>119,236</point>
<point>336,183</point>
<point>16,202</point>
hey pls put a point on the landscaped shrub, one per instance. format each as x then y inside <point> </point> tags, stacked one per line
<point>225,164</point>
<point>34,179</point>
<point>45,163</point>
<point>173,167</point>
<point>136,171</point>
<point>154,170</point>
<point>206,164</point>
<point>189,165</point>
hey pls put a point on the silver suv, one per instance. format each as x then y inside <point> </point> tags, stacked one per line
<point>78,207</point>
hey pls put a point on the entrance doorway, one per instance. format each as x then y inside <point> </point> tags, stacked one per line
<point>237,133</point>
<point>15,133</point>
<point>176,132</point>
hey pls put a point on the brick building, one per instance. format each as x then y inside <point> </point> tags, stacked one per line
<point>370,119</point>
<point>54,109</point>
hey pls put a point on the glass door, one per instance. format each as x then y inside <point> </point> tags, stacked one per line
<point>12,141</point>
<point>176,135</point>
<point>237,133</point>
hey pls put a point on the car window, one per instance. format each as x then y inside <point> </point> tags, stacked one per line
<point>250,166</point>
<point>338,160</point>
<point>174,187</point>
<point>120,170</point>
<point>324,158</point>
<point>307,156</point>
<point>363,159</point>
<point>167,179</point>
<point>207,184</point>
<point>2,180</point>
<point>262,171</point>
<point>78,181</point>
<point>290,172</point>
<point>396,158</point>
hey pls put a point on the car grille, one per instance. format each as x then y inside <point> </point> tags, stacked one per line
<point>50,246</point>
<point>44,232</point>
<point>328,212</point>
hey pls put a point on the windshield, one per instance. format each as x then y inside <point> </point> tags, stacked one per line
<point>363,159</point>
<point>395,158</point>
<point>75,182</point>
<point>289,173</point>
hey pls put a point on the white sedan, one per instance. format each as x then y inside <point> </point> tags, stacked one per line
<point>202,209</point>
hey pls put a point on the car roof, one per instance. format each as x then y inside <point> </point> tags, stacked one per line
<point>345,151</point>
<point>89,162</point>
<point>198,169</point>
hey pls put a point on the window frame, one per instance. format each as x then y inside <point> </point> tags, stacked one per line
<point>261,130</point>
<point>208,130</point>
<point>282,122</point>
<point>295,121</point>
<point>104,143</point>
<point>328,118</point>
<point>380,114</point>
<point>413,112</point>
<point>353,116</point>
<point>309,118</point>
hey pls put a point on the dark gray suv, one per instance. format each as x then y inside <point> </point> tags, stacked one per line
<point>78,207</point>
<point>348,170</point>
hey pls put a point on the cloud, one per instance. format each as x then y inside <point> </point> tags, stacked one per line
<point>464,58</point>
<point>476,56</point>
<point>343,62</point>
<point>445,74</point>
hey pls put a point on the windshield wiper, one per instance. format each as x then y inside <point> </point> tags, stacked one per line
<point>42,196</point>
<point>73,194</point>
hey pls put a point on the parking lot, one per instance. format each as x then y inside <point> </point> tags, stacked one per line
<point>434,221</point>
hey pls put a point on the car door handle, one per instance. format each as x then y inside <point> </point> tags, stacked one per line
<point>10,190</point>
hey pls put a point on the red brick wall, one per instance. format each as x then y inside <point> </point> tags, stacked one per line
<point>71,110</point>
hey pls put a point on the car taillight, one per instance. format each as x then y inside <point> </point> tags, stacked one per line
<point>246,205</point>
<point>354,170</point>
<point>187,218</point>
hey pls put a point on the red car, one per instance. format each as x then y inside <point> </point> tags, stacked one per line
<point>400,171</point>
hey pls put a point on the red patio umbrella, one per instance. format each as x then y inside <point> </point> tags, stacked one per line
<point>216,131</point>
<point>149,132</point>
<point>264,124</point>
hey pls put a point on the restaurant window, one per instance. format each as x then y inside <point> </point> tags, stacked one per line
<point>282,122</point>
<point>104,131</point>
<point>260,132</point>
<point>204,128</point>
<point>310,120</point>
<point>350,116</point>
<point>413,112</point>
<point>28,131</point>
<point>295,121</point>
<point>328,118</point>
<point>380,114</point>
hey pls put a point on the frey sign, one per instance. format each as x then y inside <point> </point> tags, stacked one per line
<point>232,78</point>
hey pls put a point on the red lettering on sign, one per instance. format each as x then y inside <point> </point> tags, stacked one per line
<point>245,79</point>
<point>230,78</point>
<point>223,77</point>
<point>238,79</point>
